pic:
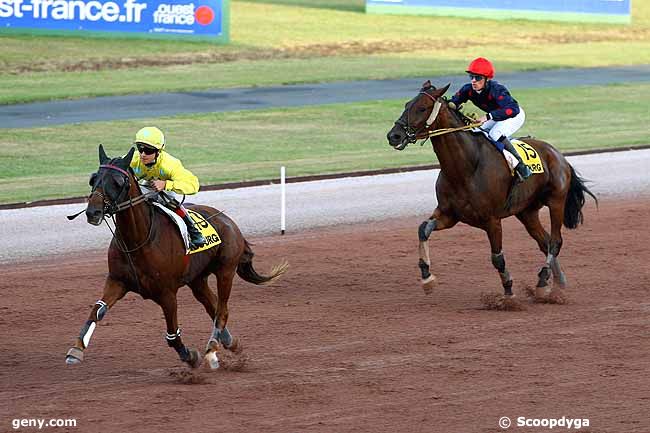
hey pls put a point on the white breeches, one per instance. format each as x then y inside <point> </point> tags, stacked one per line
<point>504,128</point>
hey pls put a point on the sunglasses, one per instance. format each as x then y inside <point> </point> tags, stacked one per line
<point>146,149</point>
<point>476,77</point>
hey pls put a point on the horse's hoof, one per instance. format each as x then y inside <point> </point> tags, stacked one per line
<point>195,358</point>
<point>74,356</point>
<point>542,292</point>
<point>71,360</point>
<point>212,346</point>
<point>543,275</point>
<point>211,360</point>
<point>560,283</point>
<point>427,284</point>
<point>236,346</point>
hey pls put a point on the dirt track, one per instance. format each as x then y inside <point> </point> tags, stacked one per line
<point>347,341</point>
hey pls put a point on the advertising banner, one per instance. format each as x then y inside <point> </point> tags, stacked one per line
<point>202,19</point>
<point>611,11</point>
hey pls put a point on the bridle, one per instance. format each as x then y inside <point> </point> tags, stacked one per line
<point>412,134</point>
<point>111,207</point>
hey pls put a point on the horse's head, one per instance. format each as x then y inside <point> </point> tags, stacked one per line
<point>110,186</point>
<point>418,116</point>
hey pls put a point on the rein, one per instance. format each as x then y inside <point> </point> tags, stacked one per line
<point>434,115</point>
<point>443,131</point>
<point>111,208</point>
<point>131,202</point>
<point>120,242</point>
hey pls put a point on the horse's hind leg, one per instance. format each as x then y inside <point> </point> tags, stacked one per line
<point>202,292</point>
<point>224,275</point>
<point>530,220</point>
<point>494,232</point>
<point>437,221</point>
<point>556,209</point>
<point>113,292</point>
<point>217,308</point>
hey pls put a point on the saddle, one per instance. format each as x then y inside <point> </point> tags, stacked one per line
<point>207,230</point>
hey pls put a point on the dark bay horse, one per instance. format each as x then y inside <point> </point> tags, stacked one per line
<point>475,187</point>
<point>147,256</point>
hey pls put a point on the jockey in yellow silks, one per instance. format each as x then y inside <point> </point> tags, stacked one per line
<point>165,174</point>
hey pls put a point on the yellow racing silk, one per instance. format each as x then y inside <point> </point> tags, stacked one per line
<point>178,179</point>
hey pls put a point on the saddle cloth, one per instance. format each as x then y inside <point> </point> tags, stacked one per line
<point>207,230</point>
<point>179,223</point>
<point>528,154</point>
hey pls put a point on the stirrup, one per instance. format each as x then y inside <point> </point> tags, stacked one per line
<point>518,172</point>
<point>198,242</point>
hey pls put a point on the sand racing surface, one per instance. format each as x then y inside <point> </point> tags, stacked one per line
<point>347,341</point>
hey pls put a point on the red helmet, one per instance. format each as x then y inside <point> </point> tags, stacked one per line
<point>481,66</point>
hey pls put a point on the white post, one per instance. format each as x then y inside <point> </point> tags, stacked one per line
<point>283,201</point>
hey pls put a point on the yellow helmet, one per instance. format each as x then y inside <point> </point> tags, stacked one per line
<point>152,136</point>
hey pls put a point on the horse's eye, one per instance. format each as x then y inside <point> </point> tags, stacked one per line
<point>93,178</point>
<point>422,109</point>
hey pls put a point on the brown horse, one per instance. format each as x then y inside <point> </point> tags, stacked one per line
<point>475,187</point>
<point>147,256</point>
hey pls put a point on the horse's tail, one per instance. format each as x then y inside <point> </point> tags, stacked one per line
<point>246,271</point>
<point>575,200</point>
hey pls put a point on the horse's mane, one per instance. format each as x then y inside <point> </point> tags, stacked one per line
<point>459,115</point>
<point>456,114</point>
<point>465,119</point>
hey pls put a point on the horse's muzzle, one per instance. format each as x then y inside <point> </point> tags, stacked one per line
<point>397,138</point>
<point>94,216</point>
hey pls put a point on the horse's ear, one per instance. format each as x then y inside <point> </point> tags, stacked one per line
<point>129,156</point>
<point>427,85</point>
<point>102,155</point>
<point>443,90</point>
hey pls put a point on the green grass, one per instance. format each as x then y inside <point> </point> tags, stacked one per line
<point>54,162</point>
<point>296,41</point>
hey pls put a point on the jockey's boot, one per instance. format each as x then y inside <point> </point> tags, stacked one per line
<point>521,170</point>
<point>196,238</point>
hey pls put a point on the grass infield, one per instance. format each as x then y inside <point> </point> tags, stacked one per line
<point>55,162</point>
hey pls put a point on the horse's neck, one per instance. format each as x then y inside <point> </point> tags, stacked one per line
<point>458,153</point>
<point>134,222</point>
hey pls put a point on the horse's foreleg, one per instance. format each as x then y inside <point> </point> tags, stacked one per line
<point>495,235</point>
<point>173,337</point>
<point>113,292</point>
<point>438,221</point>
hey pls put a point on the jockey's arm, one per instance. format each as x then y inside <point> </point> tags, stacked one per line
<point>462,95</point>
<point>508,107</point>
<point>181,180</point>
